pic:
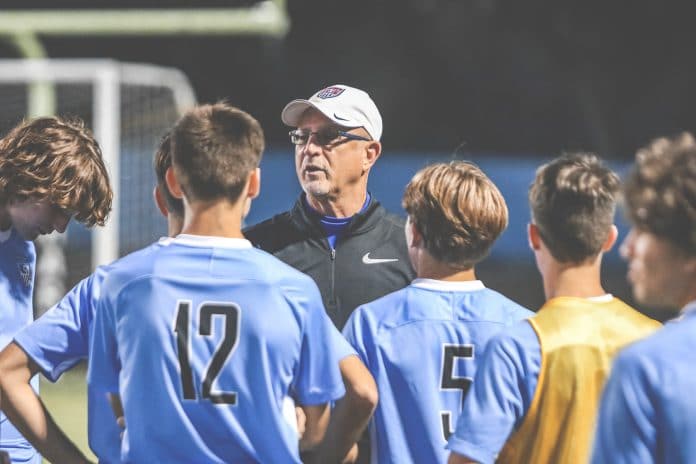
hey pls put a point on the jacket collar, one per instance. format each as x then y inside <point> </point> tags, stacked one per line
<point>359,223</point>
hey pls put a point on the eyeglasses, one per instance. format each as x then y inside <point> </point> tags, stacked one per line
<point>324,136</point>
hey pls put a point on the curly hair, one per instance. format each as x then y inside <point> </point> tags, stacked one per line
<point>573,201</point>
<point>58,160</point>
<point>660,191</point>
<point>458,210</point>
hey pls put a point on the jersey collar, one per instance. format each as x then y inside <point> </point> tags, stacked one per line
<point>210,242</point>
<point>448,286</point>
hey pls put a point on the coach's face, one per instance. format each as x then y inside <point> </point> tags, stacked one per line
<point>660,273</point>
<point>332,169</point>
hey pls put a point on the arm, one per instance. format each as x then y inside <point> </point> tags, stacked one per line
<point>316,421</point>
<point>459,459</point>
<point>27,412</point>
<point>352,412</point>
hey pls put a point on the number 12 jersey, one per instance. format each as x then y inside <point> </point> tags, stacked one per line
<point>209,342</point>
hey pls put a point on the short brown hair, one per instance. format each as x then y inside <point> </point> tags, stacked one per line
<point>58,160</point>
<point>163,161</point>
<point>573,200</point>
<point>458,210</point>
<point>214,148</point>
<point>660,191</point>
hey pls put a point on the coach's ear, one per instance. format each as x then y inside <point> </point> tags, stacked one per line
<point>533,237</point>
<point>611,238</point>
<point>159,201</point>
<point>372,151</point>
<point>173,184</point>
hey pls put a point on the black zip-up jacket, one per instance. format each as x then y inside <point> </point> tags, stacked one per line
<point>369,261</point>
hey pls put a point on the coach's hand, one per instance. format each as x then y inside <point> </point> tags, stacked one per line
<point>4,458</point>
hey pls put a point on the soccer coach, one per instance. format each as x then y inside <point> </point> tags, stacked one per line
<point>337,232</point>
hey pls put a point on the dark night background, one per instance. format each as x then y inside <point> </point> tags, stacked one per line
<point>503,76</point>
<point>518,79</point>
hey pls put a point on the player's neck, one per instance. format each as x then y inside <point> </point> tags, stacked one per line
<point>428,267</point>
<point>343,206</point>
<point>218,218</point>
<point>574,280</point>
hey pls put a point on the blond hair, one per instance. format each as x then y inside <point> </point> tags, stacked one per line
<point>458,210</point>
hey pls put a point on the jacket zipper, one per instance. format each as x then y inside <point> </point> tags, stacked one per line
<point>333,274</point>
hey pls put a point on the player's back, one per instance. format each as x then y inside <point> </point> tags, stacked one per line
<point>421,345</point>
<point>212,339</point>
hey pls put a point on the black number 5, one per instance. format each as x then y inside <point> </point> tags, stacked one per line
<point>449,382</point>
<point>231,313</point>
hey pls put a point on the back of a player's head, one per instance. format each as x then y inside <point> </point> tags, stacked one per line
<point>163,161</point>
<point>572,201</point>
<point>214,149</point>
<point>58,160</point>
<point>660,191</point>
<point>458,211</point>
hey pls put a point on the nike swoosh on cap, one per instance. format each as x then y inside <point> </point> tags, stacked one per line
<point>340,118</point>
<point>367,260</point>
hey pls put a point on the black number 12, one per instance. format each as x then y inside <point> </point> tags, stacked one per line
<point>230,312</point>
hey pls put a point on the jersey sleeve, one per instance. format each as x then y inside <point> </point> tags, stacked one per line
<point>341,345</point>
<point>354,333</point>
<point>104,363</point>
<point>626,430</point>
<point>500,394</point>
<point>318,378</point>
<point>60,337</point>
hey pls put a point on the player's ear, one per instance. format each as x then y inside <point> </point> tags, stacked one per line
<point>533,236</point>
<point>173,184</point>
<point>159,201</point>
<point>611,238</point>
<point>254,183</point>
<point>414,238</point>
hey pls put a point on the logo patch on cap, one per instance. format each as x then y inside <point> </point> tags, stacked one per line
<point>330,92</point>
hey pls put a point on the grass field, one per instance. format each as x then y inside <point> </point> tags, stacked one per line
<point>67,402</point>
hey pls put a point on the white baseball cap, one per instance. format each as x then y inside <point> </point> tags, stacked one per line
<point>344,105</point>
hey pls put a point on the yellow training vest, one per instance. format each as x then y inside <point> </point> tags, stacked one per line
<point>579,338</point>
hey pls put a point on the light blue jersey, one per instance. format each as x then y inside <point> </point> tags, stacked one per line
<point>60,339</point>
<point>17,263</point>
<point>209,340</point>
<point>421,344</point>
<point>648,413</point>
<point>501,394</point>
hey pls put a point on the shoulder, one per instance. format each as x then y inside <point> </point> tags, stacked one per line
<point>384,310</point>
<point>510,311</point>
<point>130,267</point>
<point>519,342</point>
<point>272,234</point>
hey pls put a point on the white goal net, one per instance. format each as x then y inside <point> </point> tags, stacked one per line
<point>128,107</point>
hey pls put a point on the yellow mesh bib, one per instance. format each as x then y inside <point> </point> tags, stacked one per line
<point>578,338</point>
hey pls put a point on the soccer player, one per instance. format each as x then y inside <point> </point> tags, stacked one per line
<point>213,334</point>
<point>536,392</point>
<point>421,343</point>
<point>57,341</point>
<point>647,412</point>
<point>51,170</point>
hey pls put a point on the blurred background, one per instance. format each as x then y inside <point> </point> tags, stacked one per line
<point>508,84</point>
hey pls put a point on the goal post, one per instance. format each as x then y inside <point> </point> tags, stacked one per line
<point>128,107</point>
